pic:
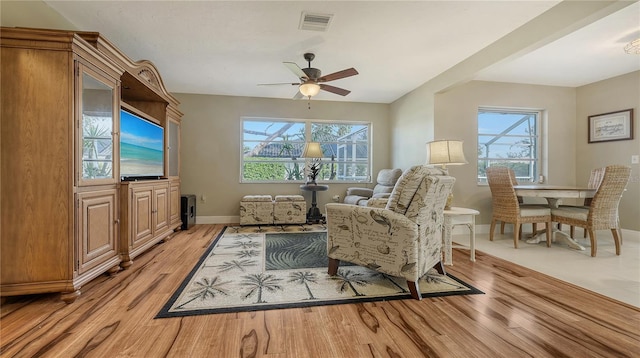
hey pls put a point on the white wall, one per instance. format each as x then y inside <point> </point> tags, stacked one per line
<point>412,115</point>
<point>412,122</point>
<point>210,147</point>
<point>32,14</point>
<point>456,118</point>
<point>614,94</point>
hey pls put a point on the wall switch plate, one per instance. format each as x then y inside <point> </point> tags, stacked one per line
<point>635,159</point>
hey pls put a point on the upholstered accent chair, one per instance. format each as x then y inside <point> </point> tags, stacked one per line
<point>506,207</point>
<point>404,238</point>
<point>385,181</point>
<point>602,213</point>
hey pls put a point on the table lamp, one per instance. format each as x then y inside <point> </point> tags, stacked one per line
<point>314,151</point>
<point>445,152</point>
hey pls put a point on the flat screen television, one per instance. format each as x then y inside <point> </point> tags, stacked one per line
<point>141,148</point>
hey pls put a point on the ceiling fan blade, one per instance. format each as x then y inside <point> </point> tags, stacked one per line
<point>298,95</point>
<point>338,75</point>
<point>278,84</point>
<point>336,90</point>
<point>293,67</point>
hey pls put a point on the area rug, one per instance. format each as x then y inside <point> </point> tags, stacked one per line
<point>262,268</point>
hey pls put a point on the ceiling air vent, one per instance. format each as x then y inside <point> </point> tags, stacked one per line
<point>315,22</point>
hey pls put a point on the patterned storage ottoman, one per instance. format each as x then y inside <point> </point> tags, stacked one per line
<point>290,209</point>
<point>256,210</point>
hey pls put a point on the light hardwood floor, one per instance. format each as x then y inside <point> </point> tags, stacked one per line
<point>522,314</point>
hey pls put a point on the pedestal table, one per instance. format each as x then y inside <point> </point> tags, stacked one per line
<point>314,215</point>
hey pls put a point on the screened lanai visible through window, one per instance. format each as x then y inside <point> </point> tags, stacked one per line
<point>346,149</point>
<point>272,150</point>
<point>509,138</point>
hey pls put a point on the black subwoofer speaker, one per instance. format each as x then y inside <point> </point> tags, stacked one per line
<point>188,211</point>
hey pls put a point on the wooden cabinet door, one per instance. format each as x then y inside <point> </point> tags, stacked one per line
<point>97,228</point>
<point>142,215</point>
<point>174,203</point>
<point>161,207</point>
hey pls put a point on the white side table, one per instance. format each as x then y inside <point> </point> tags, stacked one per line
<point>459,216</point>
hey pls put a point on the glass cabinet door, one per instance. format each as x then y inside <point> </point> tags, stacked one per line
<point>98,150</point>
<point>173,147</point>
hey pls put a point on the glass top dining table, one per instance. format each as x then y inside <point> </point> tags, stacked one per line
<point>553,194</point>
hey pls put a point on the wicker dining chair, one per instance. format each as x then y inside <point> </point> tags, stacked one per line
<point>602,214</point>
<point>514,181</point>
<point>594,182</point>
<point>507,209</point>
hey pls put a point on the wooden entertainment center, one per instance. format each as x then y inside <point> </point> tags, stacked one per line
<point>67,216</point>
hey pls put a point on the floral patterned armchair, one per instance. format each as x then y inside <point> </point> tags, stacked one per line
<point>402,239</point>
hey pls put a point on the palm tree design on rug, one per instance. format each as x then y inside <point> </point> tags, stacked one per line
<point>206,289</point>
<point>248,253</point>
<point>347,279</point>
<point>235,264</point>
<point>303,278</point>
<point>244,245</point>
<point>433,277</point>
<point>384,276</point>
<point>256,283</point>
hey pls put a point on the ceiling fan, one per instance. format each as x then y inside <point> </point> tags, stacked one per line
<point>312,81</point>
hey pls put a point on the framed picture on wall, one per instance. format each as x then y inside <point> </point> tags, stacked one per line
<point>611,126</point>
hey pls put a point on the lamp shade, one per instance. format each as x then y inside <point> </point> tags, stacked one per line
<point>445,152</point>
<point>309,89</point>
<point>312,150</point>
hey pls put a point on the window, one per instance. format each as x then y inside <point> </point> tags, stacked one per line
<point>271,150</point>
<point>346,148</point>
<point>509,138</point>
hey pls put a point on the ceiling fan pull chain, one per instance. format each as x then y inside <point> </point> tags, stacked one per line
<point>309,102</point>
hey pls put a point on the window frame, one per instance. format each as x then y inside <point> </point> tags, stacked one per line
<point>303,162</point>
<point>537,160</point>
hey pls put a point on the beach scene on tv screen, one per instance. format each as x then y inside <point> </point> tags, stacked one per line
<point>141,144</point>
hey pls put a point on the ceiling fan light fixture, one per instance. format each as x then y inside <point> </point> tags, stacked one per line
<point>633,47</point>
<point>309,89</point>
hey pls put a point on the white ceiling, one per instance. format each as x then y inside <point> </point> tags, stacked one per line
<point>588,55</point>
<point>228,47</point>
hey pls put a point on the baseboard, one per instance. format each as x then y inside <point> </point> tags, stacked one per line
<point>631,234</point>
<point>217,219</point>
